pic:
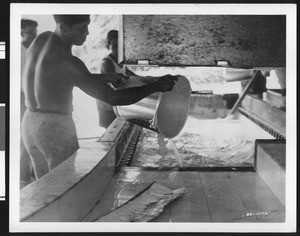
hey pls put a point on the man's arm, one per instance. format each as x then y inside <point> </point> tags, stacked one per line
<point>96,87</point>
<point>107,66</point>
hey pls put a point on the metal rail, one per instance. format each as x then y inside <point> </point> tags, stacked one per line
<point>261,123</point>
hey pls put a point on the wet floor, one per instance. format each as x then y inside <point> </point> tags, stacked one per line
<point>208,197</point>
<point>201,143</point>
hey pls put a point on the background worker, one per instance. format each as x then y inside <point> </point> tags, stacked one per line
<point>28,34</point>
<point>50,74</point>
<point>110,65</point>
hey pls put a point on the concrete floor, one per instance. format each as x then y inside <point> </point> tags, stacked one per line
<point>209,197</point>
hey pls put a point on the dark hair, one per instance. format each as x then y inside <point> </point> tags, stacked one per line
<point>28,22</point>
<point>71,19</point>
<point>112,34</point>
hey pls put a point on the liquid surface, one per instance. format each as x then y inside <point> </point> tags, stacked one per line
<point>202,143</point>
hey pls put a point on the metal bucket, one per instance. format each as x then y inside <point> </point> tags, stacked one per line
<point>164,113</point>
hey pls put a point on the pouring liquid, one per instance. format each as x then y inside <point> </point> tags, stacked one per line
<point>162,147</point>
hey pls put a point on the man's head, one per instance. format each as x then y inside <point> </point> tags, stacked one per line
<point>73,28</point>
<point>28,30</point>
<point>112,42</point>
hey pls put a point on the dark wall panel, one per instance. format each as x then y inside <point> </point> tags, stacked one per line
<point>245,41</point>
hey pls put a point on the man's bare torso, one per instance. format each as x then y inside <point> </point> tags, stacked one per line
<point>46,83</point>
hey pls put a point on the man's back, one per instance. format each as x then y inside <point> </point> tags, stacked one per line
<point>46,84</point>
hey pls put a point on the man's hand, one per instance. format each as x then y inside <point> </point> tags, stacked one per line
<point>166,83</point>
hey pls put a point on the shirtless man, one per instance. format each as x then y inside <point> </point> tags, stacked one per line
<point>50,73</point>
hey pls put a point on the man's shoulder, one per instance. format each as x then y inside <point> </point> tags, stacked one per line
<point>107,59</point>
<point>107,66</point>
<point>43,37</point>
<point>39,42</point>
<point>46,33</point>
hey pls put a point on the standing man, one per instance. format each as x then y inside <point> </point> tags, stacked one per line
<point>28,34</point>
<point>110,65</point>
<point>50,74</point>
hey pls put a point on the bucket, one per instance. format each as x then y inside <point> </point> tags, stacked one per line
<point>164,113</point>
